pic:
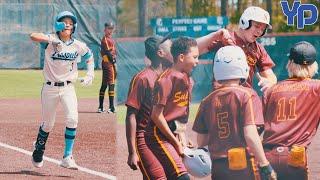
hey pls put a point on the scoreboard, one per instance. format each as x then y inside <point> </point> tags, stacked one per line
<point>192,27</point>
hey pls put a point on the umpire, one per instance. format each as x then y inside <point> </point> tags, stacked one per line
<point>108,54</point>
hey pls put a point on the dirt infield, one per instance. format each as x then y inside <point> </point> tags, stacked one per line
<point>94,146</point>
<point>100,144</point>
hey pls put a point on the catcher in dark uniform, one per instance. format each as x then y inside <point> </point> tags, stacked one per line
<point>109,72</point>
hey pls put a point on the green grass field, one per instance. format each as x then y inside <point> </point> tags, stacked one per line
<point>27,84</point>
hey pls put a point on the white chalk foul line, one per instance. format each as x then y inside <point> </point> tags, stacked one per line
<point>89,171</point>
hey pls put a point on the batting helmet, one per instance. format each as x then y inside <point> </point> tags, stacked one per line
<point>197,162</point>
<point>230,62</point>
<point>60,26</point>
<point>257,14</point>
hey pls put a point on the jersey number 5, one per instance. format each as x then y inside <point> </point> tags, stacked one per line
<point>286,109</point>
<point>223,125</point>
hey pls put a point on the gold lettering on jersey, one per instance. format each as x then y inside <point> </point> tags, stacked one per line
<point>290,87</point>
<point>251,61</point>
<point>181,99</point>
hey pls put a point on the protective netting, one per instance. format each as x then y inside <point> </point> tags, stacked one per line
<point>19,18</point>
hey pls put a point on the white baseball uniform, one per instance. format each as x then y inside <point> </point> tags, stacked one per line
<point>60,72</point>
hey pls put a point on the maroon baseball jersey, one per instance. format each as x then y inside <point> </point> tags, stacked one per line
<point>107,43</point>
<point>292,112</point>
<point>140,95</point>
<point>172,90</point>
<point>257,57</point>
<point>223,114</point>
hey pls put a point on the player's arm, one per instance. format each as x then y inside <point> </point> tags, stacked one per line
<point>200,126</point>
<point>254,143</point>
<point>158,118</point>
<point>41,37</point>
<point>131,125</point>
<point>212,39</point>
<point>90,63</point>
<point>266,76</point>
<point>269,74</point>
<point>88,57</point>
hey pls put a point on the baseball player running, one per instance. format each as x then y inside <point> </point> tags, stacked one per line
<point>253,24</point>
<point>171,107</point>
<point>62,53</point>
<point>227,118</point>
<point>292,114</point>
<point>109,72</point>
<point>139,106</point>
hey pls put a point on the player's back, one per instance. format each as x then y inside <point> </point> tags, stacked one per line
<point>291,111</point>
<point>228,110</point>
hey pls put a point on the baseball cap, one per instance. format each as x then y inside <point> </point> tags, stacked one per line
<point>303,53</point>
<point>109,24</point>
<point>152,44</point>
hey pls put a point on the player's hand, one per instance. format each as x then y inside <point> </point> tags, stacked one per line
<point>267,173</point>
<point>86,81</point>
<point>224,37</point>
<point>181,136</point>
<point>264,83</point>
<point>133,161</point>
<point>179,148</point>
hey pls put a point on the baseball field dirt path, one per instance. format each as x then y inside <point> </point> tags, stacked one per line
<point>100,146</point>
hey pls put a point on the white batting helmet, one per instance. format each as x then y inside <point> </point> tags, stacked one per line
<point>197,162</point>
<point>230,62</point>
<point>257,14</point>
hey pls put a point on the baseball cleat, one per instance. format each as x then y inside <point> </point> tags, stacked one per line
<point>69,163</point>
<point>37,157</point>
<point>111,110</point>
<point>100,110</point>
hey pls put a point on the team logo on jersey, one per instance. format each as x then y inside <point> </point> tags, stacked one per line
<point>181,99</point>
<point>65,56</point>
<point>251,61</point>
